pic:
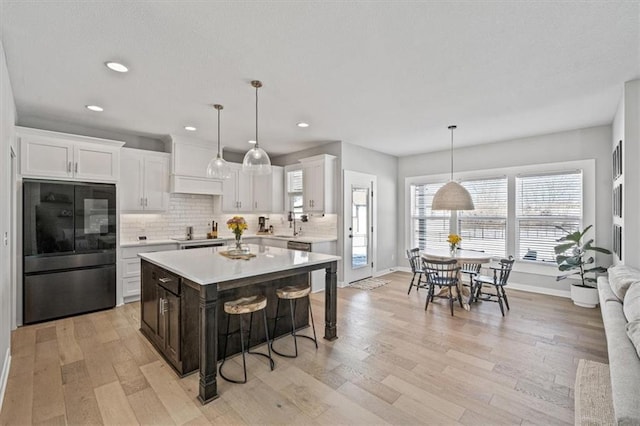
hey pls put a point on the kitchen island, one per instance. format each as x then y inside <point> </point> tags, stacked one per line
<point>183,292</point>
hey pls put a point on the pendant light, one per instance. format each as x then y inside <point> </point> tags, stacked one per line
<point>256,160</point>
<point>452,196</point>
<point>217,167</point>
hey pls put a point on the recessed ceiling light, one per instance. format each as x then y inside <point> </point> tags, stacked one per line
<point>116,66</point>
<point>95,108</point>
<point>252,142</point>
<point>302,124</point>
<point>190,128</point>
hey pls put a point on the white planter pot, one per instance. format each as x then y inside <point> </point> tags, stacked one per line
<point>586,297</point>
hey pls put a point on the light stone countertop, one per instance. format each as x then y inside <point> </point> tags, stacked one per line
<point>228,239</point>
<point>205,265</point>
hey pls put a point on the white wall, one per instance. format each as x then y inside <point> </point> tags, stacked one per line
<point>617,133</point>
<point>627,129</point>
<point>385,168</point>
<point>7,140</point>
<point>581,144</point>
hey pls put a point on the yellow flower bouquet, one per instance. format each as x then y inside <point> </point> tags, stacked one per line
<point>454,241</point>
<point>237,225</point>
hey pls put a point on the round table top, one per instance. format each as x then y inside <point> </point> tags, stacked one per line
<point>462,256</point>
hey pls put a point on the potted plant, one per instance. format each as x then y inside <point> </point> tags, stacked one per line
<point>572,256</point>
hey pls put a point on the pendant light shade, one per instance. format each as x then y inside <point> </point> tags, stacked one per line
<point>452,196</point>
<point>256,160</point>
<point>217,167</point>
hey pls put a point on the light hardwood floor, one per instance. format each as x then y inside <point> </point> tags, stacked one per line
<point>393,363</point>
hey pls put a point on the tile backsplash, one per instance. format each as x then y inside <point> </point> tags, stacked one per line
<point>198,211</point>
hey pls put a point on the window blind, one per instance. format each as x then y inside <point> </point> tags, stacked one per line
<point>485,227</point>
<point>294,181</point>
<point>428,228</point>
<point>542,203</point>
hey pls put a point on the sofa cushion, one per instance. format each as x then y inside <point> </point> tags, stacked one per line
<point>633,331</point>
<point>624,365</point>
<point>621,277</point>
<point>631,304</point>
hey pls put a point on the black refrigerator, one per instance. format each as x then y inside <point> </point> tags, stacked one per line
<point>69,247</point>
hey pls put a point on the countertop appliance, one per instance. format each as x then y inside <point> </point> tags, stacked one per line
<point>184,243</point>
<point>69,248</point>
<point>262,224</point>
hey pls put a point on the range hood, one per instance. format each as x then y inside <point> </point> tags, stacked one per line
<point>189,160</point>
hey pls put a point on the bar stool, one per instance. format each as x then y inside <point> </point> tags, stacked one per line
<point>293,293</point>
<point>245,305</point>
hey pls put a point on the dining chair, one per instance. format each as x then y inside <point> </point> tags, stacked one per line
<point>499,280</point>
<point>471,269</point>
<point>441,273</point>
<point>416,267</point>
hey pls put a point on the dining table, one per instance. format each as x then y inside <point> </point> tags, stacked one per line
<point>462,257</point>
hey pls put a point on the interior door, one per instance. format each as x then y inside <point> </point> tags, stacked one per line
<point>358,226</point>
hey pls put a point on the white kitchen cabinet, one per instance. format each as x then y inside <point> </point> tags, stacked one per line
<point>53,155</point>
<point>247,193</point>
<point>318,181</point>
<point>237,195</point>
<point>130,267</point>
<point>268,191</point>
<point>145,177</point>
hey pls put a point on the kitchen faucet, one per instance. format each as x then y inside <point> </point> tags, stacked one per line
<point>292,222</point>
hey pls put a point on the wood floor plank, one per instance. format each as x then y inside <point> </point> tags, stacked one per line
<point>114,405</point>
<point>80,402</point>
<point>161,378</point>
<point>148,408</point>
<point>48,400</point>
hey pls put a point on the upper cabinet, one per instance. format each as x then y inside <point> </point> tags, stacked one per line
<point>247,193</point>
<point>53,155</point>
<point>145,175</point>
<point>189,167</point>
<point>318,177</point>
<point>237,191</point>
<point>268,192</point>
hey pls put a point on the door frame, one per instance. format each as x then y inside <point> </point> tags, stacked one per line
<point>349,177</point>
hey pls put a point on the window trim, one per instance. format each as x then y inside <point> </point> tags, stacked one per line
<point>588,168</point>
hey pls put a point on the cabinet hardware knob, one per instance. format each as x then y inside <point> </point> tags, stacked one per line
<point>76,167</point>
<point>165,280</point>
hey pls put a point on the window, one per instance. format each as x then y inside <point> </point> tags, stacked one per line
<point>428,228</point>
<point>294,192</point>
<point>543,202</point>
<point>485,228</point>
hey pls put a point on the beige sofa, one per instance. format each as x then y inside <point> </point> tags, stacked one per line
<point>619,294</point>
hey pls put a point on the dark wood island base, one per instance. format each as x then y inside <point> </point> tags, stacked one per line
<point>181,318</point>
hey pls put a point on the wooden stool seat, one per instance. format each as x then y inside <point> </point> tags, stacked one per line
<point>245,305</point>
<point>293,291</point>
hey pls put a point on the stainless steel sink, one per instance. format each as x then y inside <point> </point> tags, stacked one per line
<point>284,236</point>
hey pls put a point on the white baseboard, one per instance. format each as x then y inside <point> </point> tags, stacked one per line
<point>540,290</point>
<point>402,269</point>
<point>4,377</point>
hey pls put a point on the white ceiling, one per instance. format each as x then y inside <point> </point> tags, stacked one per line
<point>390,76</point>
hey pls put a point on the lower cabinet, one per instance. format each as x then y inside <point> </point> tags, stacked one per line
<point>130,268</point>
<point>169,317</point>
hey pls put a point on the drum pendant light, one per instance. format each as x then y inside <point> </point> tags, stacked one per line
<point>452,196</point>
<point>218,168</point>
<point>256,160</point>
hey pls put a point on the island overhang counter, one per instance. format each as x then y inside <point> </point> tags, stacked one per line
<point>184,279</point>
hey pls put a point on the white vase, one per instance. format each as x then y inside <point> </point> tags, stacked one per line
<point>586,297</point>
